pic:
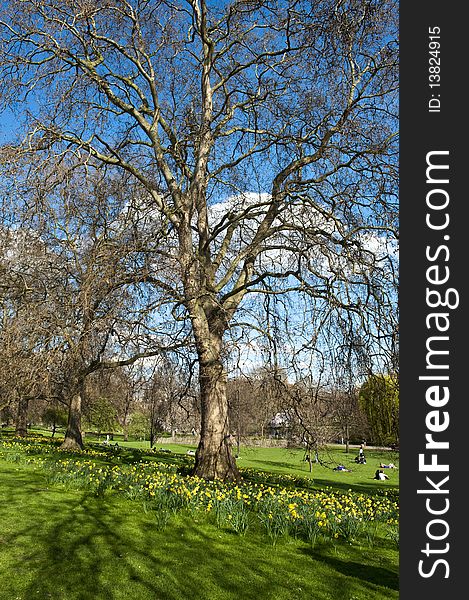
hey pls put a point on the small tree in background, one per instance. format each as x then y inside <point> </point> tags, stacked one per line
<point>53,417</point>
<point>102,415</point>
<point>139,426</point>
<point>379,399</point>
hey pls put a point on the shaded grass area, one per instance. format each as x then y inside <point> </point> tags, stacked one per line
<point>65,544</point>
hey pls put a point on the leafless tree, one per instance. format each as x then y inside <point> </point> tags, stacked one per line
<point>254,399</point>
<point>26,327</point>
<point>262,133</point>
<point>90,318</point>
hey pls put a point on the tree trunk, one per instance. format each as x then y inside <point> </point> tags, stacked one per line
<point>214,458</point>
<point>21,429</point>
<point>73,439</point>
<point>346,438</point>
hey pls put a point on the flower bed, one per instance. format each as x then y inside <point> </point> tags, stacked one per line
<point>285,505</point>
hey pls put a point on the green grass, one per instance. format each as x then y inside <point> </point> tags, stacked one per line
<point>69,545</point>
<point>291,462</point>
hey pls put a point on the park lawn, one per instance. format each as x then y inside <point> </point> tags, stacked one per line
<point>69,545</point>
<point>288,461</point>
<point>291,461</point>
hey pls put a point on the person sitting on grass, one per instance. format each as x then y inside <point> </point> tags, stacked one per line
<point>360,459</point>
<point>380,475</point>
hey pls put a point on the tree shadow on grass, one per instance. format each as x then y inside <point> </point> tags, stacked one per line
<point>369,574</point>
<point>67,545</point>
<point>73,546</point>
<point>362,487</point>
<point>78,547</point>
<point>286,465</point>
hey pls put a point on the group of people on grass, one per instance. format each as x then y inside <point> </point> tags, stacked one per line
<point>380,475</point>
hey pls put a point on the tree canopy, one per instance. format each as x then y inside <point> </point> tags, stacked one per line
<point>379,399</point>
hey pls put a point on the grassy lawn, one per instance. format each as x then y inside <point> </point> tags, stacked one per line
<point>68,544</point>
<point>290,461</point>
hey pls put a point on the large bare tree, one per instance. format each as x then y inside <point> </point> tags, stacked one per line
<point>263,133</point>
